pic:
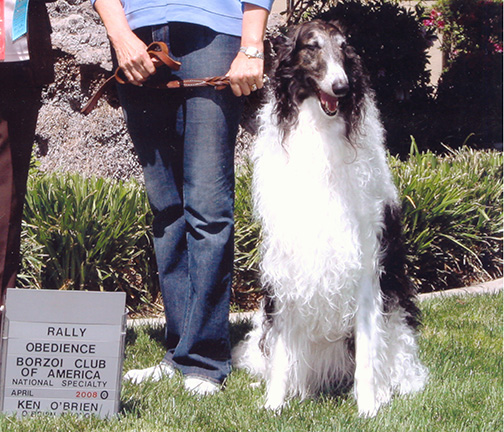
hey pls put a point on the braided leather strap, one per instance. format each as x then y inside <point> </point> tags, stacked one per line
<point>218,82</point>
<point>158,52</point>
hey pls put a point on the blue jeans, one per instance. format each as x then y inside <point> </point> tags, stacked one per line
<point>185,140</point>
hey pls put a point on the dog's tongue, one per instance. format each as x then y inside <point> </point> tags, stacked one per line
<point>329,103</point>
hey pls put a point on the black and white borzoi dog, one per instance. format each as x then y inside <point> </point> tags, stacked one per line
<point>339,308</point>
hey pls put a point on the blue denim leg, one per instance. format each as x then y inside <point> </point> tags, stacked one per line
<point>185,143</point>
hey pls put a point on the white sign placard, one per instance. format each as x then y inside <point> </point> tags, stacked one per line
<point>62,351</point>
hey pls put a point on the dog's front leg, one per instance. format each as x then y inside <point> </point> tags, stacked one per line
<point>278,376</point>
<point>367,337</point>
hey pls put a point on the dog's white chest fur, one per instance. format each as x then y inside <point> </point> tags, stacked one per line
<point>315,193</point>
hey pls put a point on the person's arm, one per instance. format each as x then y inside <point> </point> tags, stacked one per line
<point>130,50</point>
<point>245,72</point>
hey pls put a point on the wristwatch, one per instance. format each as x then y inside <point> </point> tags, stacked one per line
<point>252,52</point>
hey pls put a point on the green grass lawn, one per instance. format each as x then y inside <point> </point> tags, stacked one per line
<point>461,344</point>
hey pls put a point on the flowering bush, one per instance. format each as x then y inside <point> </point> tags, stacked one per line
<point>393,45</point>
<point>393,41</point>
<point>435,20</point>
<point>467,26</point>
<point>469,93</point>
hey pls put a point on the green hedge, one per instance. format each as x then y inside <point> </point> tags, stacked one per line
<point>94,234</point>
<point>88,234</point>
<point>452,216</point>
<point>453,219</point>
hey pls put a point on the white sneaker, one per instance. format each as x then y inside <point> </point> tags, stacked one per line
<point>154,373</point>
<point>200,386</point>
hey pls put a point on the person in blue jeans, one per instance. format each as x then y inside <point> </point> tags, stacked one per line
<point>185,140</point>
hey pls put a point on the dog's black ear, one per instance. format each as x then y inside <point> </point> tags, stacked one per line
<point>342,28</point>
<point>282,45</point>
<point>278,40</point>
<point>351,53</point>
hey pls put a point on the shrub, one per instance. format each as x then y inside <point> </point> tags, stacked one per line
<point>393,44</point>
<point>467,26</point>
<point>302,10</point>
<point>469,95</point>
<point>453,219</point>
<point>469,101</point>
<point>247,235</point>
<point>94,234</point>
<point>452,216</point>
<point>88,234</point>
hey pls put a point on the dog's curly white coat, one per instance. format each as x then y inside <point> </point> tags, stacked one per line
<point>321,201</point>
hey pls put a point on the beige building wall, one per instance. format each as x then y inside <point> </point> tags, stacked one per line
<point>279,6</point>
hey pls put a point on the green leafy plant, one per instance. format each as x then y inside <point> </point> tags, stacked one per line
<point>94,234</point>
<point>452,216</point>
<point>247,237</point>
<point>89,234</point>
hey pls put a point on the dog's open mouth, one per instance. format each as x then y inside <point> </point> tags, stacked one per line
<point>328,103</point>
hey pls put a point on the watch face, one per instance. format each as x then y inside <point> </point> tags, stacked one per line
<point>252,52</point>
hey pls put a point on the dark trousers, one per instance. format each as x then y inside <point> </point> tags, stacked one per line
<point>19,106</point>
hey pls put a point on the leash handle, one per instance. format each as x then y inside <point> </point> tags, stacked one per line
<point>160,56</point>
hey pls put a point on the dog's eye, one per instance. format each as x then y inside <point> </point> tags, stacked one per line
<point>312,46</point>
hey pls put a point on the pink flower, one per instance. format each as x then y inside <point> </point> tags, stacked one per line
<point>497,47</point>
<point>435,20</point>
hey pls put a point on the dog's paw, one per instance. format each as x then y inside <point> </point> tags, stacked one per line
<point>275,401</point>
<point>275,406</point>
<point>367,405</point>
<point>255,385</point>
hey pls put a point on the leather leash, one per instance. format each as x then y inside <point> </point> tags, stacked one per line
<point>158,52</point>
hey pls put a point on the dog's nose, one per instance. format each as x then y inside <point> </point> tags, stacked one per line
<point>340,89</point>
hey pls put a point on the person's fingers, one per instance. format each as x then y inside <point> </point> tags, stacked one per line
<point>246,75</point>
<point>137,68</point>
<point>134,60</point>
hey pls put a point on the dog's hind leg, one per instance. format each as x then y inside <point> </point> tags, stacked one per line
<point>277,381</point>
<point>370,394</point>
<point>407,374</point>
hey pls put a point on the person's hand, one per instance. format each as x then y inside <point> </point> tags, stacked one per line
<point>246,74</point>
<point>133,58</point>
<point>130,50</point>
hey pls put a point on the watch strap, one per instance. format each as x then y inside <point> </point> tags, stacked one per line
<point>252,52</point>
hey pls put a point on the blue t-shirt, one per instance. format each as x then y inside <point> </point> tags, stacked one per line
<point>223,16</point>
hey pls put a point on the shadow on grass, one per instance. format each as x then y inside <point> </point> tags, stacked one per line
<point>238,331</point>
<point>131,336</point>
<point>157,333</point>
<point>131,407</point>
